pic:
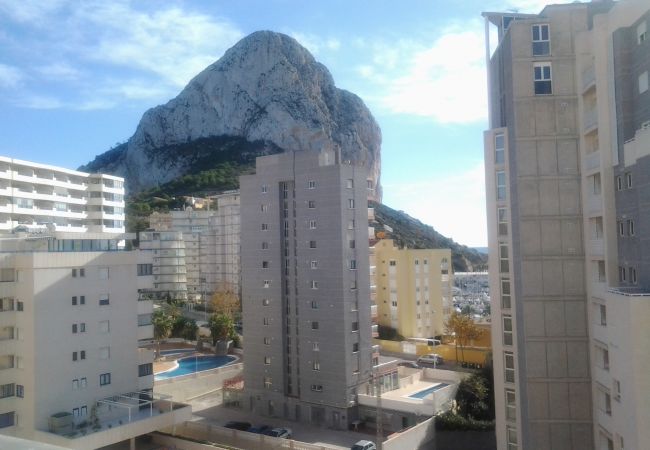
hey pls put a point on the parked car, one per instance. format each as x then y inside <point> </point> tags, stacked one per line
<point>409,364</point>
<point>364,445</point>
<point>279,433</point>
<point>431,358</point>
<point>259,429</point>
<point>235,425</point>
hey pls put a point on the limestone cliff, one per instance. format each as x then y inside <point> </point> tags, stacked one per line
<point>265,89</point>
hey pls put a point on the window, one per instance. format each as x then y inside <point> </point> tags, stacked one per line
<point>541,40</point>
<point>641,33</point>
<point>265,264</point>
<point>630,227</point>
<point>312,184</point>
<point>353,264</point>
<point>315,365</point>
<point>265,226</point>
<point>312,224</point>
<point>82,354</point>
<point>315,347</point>
<point>267,360</point>
<point>355,326</point>
<point>8,419</point>
<point>74,273</point>
<point>267,382</point>
<point>104,326</point>
<point>511,405</point>
<point>20,306</point>
<point>74,356</point>
<point>265,189</point>
<point>502,216</point>
<point>103,273</point>
<point>317,387</point>
<point>312,244</point>
<point>352,243</point>
<point>542,76</point>
<point>619,183</point>
<point>392,263</point>
<point>504,265</point>
<point>314,304</point>
<point>145,369</point>
<point>622,274</point>
<point>104,299</point>
<point>621,228</point>
<point>20,391</point>
<point>608,404</point>
<point>104,379</point>
<point>74,328</point>
<point>314,284</point>
<point>267,284</point>
<point>83,382</point>
<point>314,325</point>
<point>350,203</point>
<point>353,284</point>
<point>505,293</point>
<point>603,314</point>
<point>501,185</point>
<point>509,360</point>
<point>628,180</point>
<point>82,273</point>
<point>499,148</point>
<point>74,300</point>
<point>351,224</point>
<point>313,264</point>
<point>145,269</point>
<point>264,208</point>
<point>355,347</point>
<point>267,341</point>
<point>7,390</point>
<point>311,204</point>
<point>265,302</point>
<point>632,271</point>
<point>643,82</point>
<point>616,388</point>
<point>265,245</point>
<point>266,320</point>
<point>349,183</point>
<point>511,438</point>
<point>507,330</point>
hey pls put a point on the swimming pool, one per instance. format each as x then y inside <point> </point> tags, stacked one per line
<point>193,364</point>
<point>423,393</point>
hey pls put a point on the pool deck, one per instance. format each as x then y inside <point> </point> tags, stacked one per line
<point>163,366</point>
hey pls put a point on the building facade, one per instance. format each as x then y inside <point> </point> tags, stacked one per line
<point>413,289</point>
<point>71,324</point>
<point>565,174</point>
<point>33,196</point>
<point>167,264</point>
<point>305,292</point>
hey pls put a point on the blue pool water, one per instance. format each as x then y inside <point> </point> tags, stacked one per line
<point>423,393</point>
<point>193,364</point>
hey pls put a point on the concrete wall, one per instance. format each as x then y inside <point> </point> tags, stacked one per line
<point>418,437</point>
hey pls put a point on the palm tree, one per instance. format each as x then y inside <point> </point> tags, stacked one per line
<point>162,326</point>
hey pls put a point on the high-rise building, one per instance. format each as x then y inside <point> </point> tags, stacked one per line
<point>33,196</point>
<point>167,264</point>
<point>305,290</point>
<point>413,288</point>
<point>72,370</point>
<point>565,175</point>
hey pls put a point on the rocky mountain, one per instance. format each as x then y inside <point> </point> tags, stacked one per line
<point>267,90</point>
<point>410,232</point>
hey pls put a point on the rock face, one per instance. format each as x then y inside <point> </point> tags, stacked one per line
<point>266,88</point>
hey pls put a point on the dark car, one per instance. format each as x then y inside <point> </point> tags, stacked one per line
<point>259,429</point>
<point>409,364</point>
<point>235,425</point>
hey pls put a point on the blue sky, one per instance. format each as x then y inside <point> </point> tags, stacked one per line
<point>76,76</point>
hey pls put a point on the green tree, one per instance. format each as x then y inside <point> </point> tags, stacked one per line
<point>464,330</point>
<point>475,396</point>
<point>221,327</point>
<point>163,323</point>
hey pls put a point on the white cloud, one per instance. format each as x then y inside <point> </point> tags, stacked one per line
<point>454,204</point>
<point>314,43</point>
<point>34,101</point>
<point>10,76</point>
<point>59,71</point>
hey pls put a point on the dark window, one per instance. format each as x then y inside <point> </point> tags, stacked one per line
<point>20,390</point>
<point>145,369</point>
<point>542,72</point>
<point>355,347</point>
<point>104,379</point>
<point>145,269</point>
<point>82,300</point>
<point>314,325</point>
<point>74,327</point>
<point>82,354</point>
<point>7,419</point>
<point>74,273</point>
<point>74,356</point>
<point>74,301</point>
<point>541,40</point>
<point>104,300</point>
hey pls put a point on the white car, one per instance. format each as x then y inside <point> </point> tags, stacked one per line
<point>364,445</point>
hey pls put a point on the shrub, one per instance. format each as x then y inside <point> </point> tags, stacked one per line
<point>453,422</point>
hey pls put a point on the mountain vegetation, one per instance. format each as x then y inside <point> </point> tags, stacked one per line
<point>410,232</point>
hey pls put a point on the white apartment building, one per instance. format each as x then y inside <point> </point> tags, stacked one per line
<point>34,195</point>
<point>212,240</point>
<point>72,372</point>
<point>167,264</point>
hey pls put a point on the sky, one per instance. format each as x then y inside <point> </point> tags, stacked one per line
<point>76,77</point>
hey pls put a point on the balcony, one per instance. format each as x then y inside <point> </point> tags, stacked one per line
<point>373,312</point>
<point>590,120</point>
<point>595,204</point>
<point>592,162</point>
<point>588,79</point>
<point>596,247</point>
<point>145,332</point>
<point>375,331</point>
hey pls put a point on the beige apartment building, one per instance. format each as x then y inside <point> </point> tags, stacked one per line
<point>413,288</point>
<point>566,168</point>
<point>72,370</point>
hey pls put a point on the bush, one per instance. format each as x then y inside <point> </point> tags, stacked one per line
<point>452,422</point>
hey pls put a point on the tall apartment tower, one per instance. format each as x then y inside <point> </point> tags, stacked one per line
<point>535,231</point>
<point>305,290</point>
<point>585,119</point>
